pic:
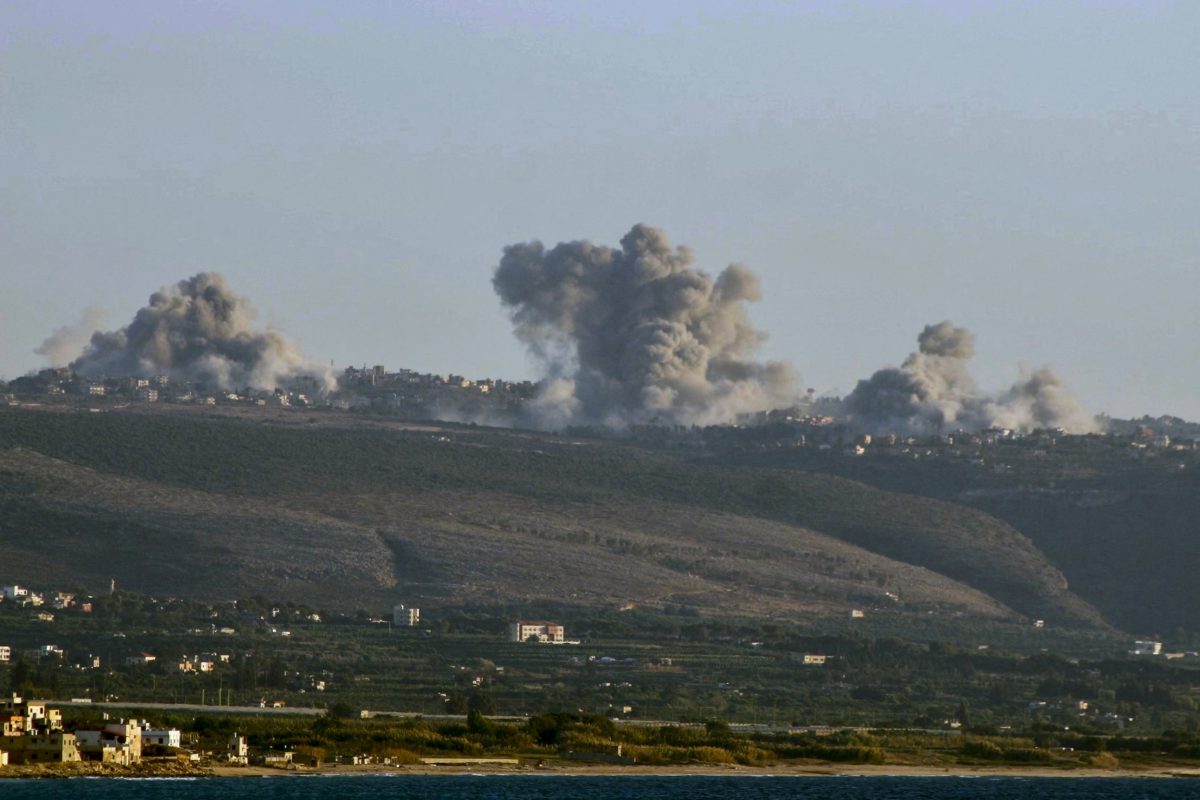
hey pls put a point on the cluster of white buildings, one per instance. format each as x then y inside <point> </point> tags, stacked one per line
<point>61,382</point>
<point>41,602</point>
<point>24,597</point>
<point>33,733</point>
<point>1147,647</point>
<point>202,663</point>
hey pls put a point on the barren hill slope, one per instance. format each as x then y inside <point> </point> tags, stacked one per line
<point>361,514</point>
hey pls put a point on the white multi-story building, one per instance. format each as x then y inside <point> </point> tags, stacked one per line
<point>1146,648</point>
<point>5,654</point>
<point>14,592</point>
<point>238,752</point>
<point>403,616</point>
<point>169,737</point>
<point>523,631</point>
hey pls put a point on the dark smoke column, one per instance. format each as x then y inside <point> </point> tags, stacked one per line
<point>635,334</point>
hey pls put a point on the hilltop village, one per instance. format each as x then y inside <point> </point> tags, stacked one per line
<point>811,425</point>
<point>404,393</point>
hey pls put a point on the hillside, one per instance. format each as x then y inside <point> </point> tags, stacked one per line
<point>365,513</point>
<point>1122,524</point>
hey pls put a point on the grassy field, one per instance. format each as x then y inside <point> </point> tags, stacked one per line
<point>637,665</point>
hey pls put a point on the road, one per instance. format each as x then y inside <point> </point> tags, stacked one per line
<point>742,727</point>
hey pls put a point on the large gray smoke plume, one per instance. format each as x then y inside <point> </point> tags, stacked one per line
<point>932,391</point>
<point>198,330</point>
<point>638,335</point>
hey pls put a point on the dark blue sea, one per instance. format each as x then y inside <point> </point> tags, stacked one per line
<point>554,787</point>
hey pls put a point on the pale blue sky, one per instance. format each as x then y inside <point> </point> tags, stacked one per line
<point>1029,170</point>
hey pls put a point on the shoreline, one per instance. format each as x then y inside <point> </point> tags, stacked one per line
<point>814,770</point>
<point>702,770</point>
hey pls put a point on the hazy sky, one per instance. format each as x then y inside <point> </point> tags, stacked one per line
<point>1029,170</point>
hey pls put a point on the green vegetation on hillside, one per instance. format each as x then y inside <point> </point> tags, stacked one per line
<point>374,478</point>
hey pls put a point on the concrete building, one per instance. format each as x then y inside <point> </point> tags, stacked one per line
<point>31,733</point>
<point>197,664</point>
<point>406,617</point>
<point>169,737</point>
<point>5,653</point>
<point>28,716</point>
<point>40,748</point>
<point>238,751</point>
<point>523,631</point>
<point>115,743</point>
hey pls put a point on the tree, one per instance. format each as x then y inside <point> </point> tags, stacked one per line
<point>341,711</point>
<point>481,703</point>
<point>478,723</point>
<point>19,676</point>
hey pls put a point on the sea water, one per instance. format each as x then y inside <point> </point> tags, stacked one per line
<point>554,787</point>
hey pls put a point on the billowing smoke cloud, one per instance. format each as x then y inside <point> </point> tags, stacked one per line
<point>1040,400</point>
<point>636,334</point>
<point>68,341</point>
<point>198,330</point>
<point>932,391</point>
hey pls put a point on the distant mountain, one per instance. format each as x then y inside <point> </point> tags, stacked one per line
<point>354,512</point>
